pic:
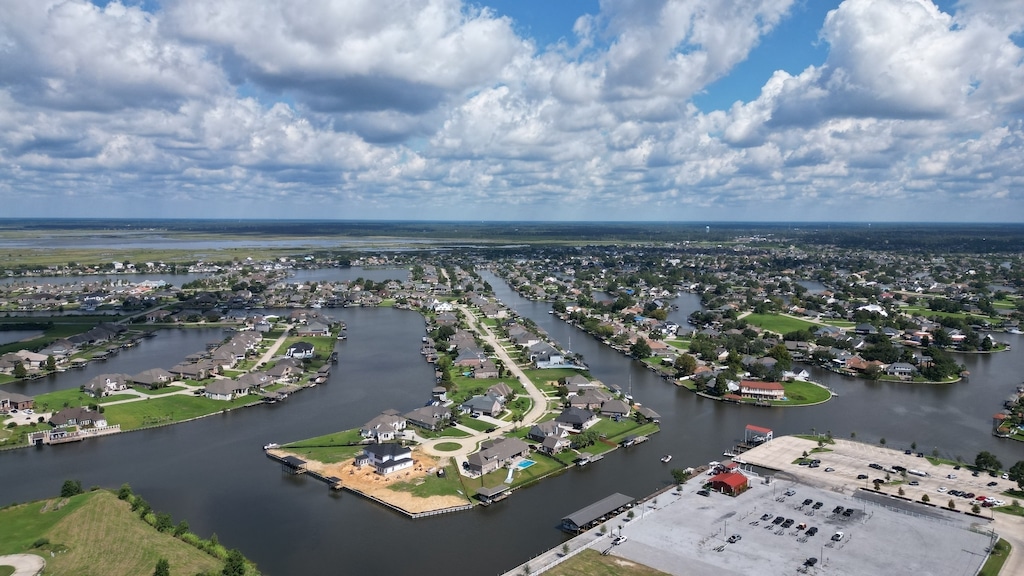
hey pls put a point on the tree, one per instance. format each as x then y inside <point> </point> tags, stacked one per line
<point>235,565</point>
<point>882,441</point>
<point>51,363</point>
<point>640,349</point>
<point>1016,473</point>
<point>163,568</point>
<point>181,528</point>
<point>20,371</point>
<point>71,488</point>
<point>565,549</point>
<point>124,492</point>
<point>925,498</point>
<point>163,522</point>
<point>985,460</point>
<point>685,364</point>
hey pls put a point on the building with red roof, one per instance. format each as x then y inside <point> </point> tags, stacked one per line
<point>731,483</point>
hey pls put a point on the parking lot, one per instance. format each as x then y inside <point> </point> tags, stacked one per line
<point>852,459</point>
<point>778,527</point>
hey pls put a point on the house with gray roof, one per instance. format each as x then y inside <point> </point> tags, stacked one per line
<point>484,404</point>
<point>496,453</point>
<point>429,417</point>
<point>224,389</point>
<point>153,378</point>
<point>385,458</point>
<point>383,427</point>
<point>79,416</point>
<point>577,419</point>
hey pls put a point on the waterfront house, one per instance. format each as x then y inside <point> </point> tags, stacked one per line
<point>107,384</point>
<point>13,400</point>
<point>313,329</point>
<point>224,389</point>
<point>762,390</point>
<point>496,453</point>
<point>79,416</point>
<point>153,378</point>
<point>195,370</point>
<point>542,430</point>
<point>384,427</point>
<point>554,444</point>
<point>590,399</point>
<point>487,369</point>
<point>429,417</point>
<point>615,408</point>
<point>300,351</point>
<point>385,458</point>
<point>577,419</point>
<point>902,370</point>
<point>483,404</point>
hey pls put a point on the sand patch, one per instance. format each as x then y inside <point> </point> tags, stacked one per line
<point>365,480</point>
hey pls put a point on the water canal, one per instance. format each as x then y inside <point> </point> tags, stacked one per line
<point>213,473</point>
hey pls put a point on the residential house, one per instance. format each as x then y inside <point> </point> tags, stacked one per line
<point>384,427</point>
<point>300,351</point>
<point>762,390</point>
<point>153,378</point>
<point>542,430</point>
<point>483,404</point>
<point>107,384</point>
<point>200,370</point>
<point>385,458</point>
<point>901,369</point>
<point>225,389</point>
<point>313,329</point>
<point>502,391</point>
<point>15,401</point>
<point>487,369</point>
<point>79,416</point>
<point>615,408</point>
<point>554,444</point>
<point>590,399</point>
<point>577,419</point>
<point>429,417</point>
<point>496,453</point>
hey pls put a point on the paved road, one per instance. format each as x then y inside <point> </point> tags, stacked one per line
<point>24,564</point>
<point>537,411</point>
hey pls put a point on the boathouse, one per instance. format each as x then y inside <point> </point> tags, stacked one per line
<point>586,518</point>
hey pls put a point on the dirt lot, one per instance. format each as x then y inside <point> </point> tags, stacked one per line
<point>366,481</point>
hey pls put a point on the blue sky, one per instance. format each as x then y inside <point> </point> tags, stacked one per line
<point>868,110</point>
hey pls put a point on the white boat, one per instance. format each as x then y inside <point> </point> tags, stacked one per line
<point>666,458</point>
<point>728,454</point>
<point>272,445</point>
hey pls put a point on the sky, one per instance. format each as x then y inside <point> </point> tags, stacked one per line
<point>575,110</point>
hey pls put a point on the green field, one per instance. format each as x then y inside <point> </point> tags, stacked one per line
<point>433,485</point>
<point>329,448</point>
<point>779,324</point>
<point>994,564</point>
<point>100,535</point>
<point>800,393</point>
<point>168,409</point>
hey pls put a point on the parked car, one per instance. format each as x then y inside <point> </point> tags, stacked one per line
<point>790,492</point>
<point>703,493</point>
<point>778,520</point>
<point>619,539</point>
<point>787,523</point>
<point>993,483</point>
<point>837,536</point>
<point>830,469</point>
<point>862,476</point>
<point>808,502</point>
<point>914,483</point>
<point>735,538</point>
<point>812,531</point>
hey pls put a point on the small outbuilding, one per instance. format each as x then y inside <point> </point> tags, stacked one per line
<point>731,483</point>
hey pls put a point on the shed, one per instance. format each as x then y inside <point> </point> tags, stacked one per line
<point>731,483</point>
<point>581,519</point>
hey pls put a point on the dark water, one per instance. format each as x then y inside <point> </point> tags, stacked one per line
<point>8,336</point>
<point>169,347</point>
<point>213,473</point>
<point>348,274</point>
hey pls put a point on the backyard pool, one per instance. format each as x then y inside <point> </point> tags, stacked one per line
<point>524,464</point>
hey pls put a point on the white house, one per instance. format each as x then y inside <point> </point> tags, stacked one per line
<point>385,458</point>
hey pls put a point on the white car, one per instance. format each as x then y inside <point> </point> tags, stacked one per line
<point>619,539</point>
<point>1005,476</point>
<point>29,411</point>
<point>942,488</point>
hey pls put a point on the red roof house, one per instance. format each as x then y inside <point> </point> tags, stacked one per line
<point>731,483</point>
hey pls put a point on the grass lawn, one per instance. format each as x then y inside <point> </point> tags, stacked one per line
<point>432,485</point>
<point>164,390</point>
<point>329,448</point>
<point>447,446</point>
<point>996,559</point>
<point>478,425</point>
<point>61,398</point>
<point>800,393</point>
<point>543,466</point>
<point>546,379</point>
<point>168,409</point>
<point>117,398</point>
<point>592,563</point>
<point>779,324</point>
<point>6,570</point>
<point>615,431</point>
<point>101,536</point>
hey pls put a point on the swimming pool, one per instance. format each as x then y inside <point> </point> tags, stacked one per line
<point>524,464</point>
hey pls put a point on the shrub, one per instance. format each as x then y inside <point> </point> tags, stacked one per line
<point>41,542</point>
<point>71,488</point>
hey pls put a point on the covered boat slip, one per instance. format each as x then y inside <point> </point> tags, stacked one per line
<point>584,518</point>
